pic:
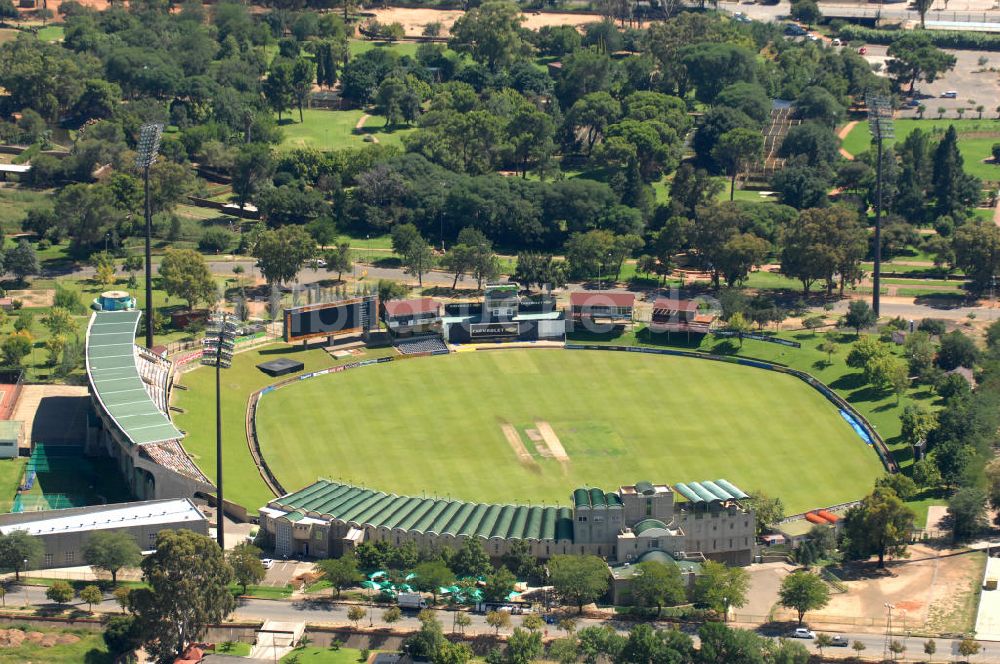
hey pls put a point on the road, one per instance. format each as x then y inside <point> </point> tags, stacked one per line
<point>976,12</point>
<point>334,614</point>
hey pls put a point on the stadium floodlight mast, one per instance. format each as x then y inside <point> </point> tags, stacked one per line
<point>880,125</point>
<point>219,343</point>
<point>149,146</point>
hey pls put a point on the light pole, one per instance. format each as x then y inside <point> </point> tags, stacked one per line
<point>219,344</point>
<point>149,145</point>
<point>888,631</point>
<point>880,125</point>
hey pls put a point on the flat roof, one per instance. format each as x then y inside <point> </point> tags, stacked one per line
<point>675,305</point>
<point>15,168</point>
<point>280,363</point>
<point>419,305</point>
<point>601,299</point>
<point>10,429</point>
<point>124,515</point>
<point>115,379</point>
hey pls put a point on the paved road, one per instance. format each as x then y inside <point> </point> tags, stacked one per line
<point>329,613</point>
<point>959,11</point>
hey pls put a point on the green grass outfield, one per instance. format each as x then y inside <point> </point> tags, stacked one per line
<point>974,148</point>
<point>334,130</point>
<point>434,425</point>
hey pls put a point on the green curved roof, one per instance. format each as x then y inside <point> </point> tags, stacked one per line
<point>365,507</point>
<point>646,524</point>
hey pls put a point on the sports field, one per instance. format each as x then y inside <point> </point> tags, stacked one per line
<point>493,426</point>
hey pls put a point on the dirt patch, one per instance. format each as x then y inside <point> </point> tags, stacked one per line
<point>414,20</point>
<point>34,298</point>
<point>14,638</point>
<point>552,441</point>
<point>516,444</point>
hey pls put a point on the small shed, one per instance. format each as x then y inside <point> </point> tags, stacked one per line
<point>10,438</point>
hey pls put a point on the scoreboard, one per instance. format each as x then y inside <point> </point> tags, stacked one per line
<point>352,316</point>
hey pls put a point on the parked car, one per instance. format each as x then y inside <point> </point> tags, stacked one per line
<point>795,30</point>
<point>950,94</point>
<point>839,641</point>
<point>268,563</point>
<point>862,50</point>
<point>803,633</point>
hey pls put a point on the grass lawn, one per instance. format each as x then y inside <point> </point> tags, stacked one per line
<point>233,649</point>
<point>15,203</point>
<point>334,130</point>
<point>973,148</point>
<point>315,655</point>
<point>89,649</point>
<point>11,471</point>
<point>359,46</point>
<point>243,484</point>
<point>433,425</point>
<point>262,592</point>
<point>50,33</point>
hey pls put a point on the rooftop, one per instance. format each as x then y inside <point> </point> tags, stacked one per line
<point>420,305</point>
<point>375,509</point>
<point>151,512</point>
<point>601,299</point>
<point>668,304</point>
<point>115,381</point>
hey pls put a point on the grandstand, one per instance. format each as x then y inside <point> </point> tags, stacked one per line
<point>130,391</point>
<point>421,345</point>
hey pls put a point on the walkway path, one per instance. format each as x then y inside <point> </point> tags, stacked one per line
<point>842,134</point>
<point>360,125</point>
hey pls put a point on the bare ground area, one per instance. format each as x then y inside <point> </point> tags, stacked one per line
<point>414,20</point>
<point>516,444</point>
<point>935,589</point>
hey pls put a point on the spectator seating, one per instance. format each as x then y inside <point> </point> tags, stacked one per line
<point>419,345</point>
<point>171,455</point>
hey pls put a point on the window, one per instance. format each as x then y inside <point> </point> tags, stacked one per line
<point>655,543</point>
<point>581,518</point>
<point>152,538</point>
<point>649,507</point>
<point>319,536</point>
<point>48,560</point>
<point>70,555</point>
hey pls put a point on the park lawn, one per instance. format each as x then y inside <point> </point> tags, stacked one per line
<point>359,46</point>
<point>335,130</point>
<point>50,33</point>
<point>11,472</point>
<point>432,426</point>
<point>90,649</point>
<point>317,655</point>
<point>774,280</point>
<point>233,649</point>
<point>974,149</point>
<point>15,204</point>
<point>242,482</point>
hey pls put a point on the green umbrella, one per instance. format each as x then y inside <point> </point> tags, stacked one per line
<point>369,585</point>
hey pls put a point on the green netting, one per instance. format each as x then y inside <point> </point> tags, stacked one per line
<point>33,502</point>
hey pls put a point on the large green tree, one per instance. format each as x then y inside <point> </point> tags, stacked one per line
<point>879,526</point>
<point>281,252</point>
<point>112,550</point>
<point>244,559</point>
<point>722,587</point>
<point>188,580</point>
<point>491,34</point>
<point>803,591</point>
<point>913,57</point>
<point>736,149</point>
<point>657,584</point>
<point>20,551</point>
<point>184,274</point>
<point>578,579</point>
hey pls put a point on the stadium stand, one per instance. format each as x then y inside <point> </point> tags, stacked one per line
<point>421,345</point>
<point>130,392</point>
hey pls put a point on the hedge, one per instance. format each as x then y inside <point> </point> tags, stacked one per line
<point>979,41</point>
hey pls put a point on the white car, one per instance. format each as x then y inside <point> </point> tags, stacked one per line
<point>268,563</point>
<point>950,94</point>
<point>803,633</point>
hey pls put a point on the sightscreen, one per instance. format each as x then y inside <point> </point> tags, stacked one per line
<point>331,318</point>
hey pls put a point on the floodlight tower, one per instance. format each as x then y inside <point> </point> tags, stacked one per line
<point>880,125</point>
<point>219,344</point>
<point>149,145</point>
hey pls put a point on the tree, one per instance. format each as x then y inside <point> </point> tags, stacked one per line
<point>578,579</point>
<point>341,572</point>
<point>15,348</point>
<point>471,559</point>
<point>977,252</point>
<point>339,260</point>
<point>59,321</point>
<point>184,274</point>
<point>738,325</point>
<point>656,584</point>
<point>244,558</point>
<point>303,74</point>
<point>104,268</point>
<point>121,635</point>
<point>21,260</point>
<point>954,190</point>
<point>722,587</point>
<point>917,423</point>
<point>252,169</point>
<point>524,646</point>
<point>967,509</point>
<point>806,11</point>
<point>803,591</point>
<point>20,551</point>
<point>432,575</point>
<point>91,595</point>
<point>858,647</point>
<point>188,589</point>
<point>913,57</point>
<point>768,511</point>
<point>860,316</point>
<point>968,647</point>
<point>112,551</point>
<point>491,34</point>
<point>418,260</point>
<point>498,620</point>
<point>392,615</point>
<point>829,347</point>
<point>355,614</point>
<point>279,87</point>
<point>122,596</point>
<point>922,7</point>
<point>957,350</point>
<point>462,620</point>
<point>930,647</point>
<point>281,252</point>
<point>565,650</point>
<point>822,641</point>
<point>879,526</point>
<point>736,149</point>
<point>499,585</point>
<point>59,592</point>
<point>822,243</point>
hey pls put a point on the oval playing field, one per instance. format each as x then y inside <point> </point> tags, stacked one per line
<point>518,426</point>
